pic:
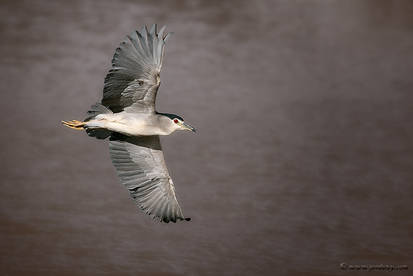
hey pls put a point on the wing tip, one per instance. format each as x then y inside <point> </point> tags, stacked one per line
<point>153,30</point>
<point>175,220</point>
<point>163,219</point>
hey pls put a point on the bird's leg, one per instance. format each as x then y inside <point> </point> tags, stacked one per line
<point>74,124</point>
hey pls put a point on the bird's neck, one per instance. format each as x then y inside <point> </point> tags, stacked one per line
<point>164,123</point>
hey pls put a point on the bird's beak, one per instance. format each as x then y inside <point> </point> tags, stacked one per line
<point>188,127</point>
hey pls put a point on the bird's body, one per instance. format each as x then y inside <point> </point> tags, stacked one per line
<point>133,124</point>
<point>127,116</point>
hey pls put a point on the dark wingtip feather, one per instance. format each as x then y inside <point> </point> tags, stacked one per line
<point>167,36</point>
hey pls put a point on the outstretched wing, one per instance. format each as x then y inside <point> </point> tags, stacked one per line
<point>133,80</point>
<point>141,168</point>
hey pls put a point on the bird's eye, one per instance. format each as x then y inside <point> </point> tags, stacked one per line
<point>176,121</point>
<point>140,82</point>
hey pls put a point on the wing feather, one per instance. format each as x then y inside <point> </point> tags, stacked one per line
<point>133,81</point>
<point>142,170</point>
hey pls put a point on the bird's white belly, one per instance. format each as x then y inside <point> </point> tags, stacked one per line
<point>126,124</point>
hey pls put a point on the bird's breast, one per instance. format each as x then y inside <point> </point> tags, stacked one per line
<point>142,125</point>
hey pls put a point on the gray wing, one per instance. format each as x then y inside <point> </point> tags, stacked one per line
<point>133,80</point>
<point>141,168</point>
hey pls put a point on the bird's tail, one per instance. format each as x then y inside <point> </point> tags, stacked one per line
<point>95,110</point>
<point>97,132</point>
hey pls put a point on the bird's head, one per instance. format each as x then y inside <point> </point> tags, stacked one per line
<point>177,123</point>
<point>181,125</point>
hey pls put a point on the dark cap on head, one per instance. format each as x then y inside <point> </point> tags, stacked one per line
<point>171,116</point>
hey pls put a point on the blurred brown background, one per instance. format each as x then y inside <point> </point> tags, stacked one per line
<point>303,159</point>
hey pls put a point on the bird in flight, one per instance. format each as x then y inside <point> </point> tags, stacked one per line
<point>127,116</point>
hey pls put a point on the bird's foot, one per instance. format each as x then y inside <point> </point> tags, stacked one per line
<point>75,124</point>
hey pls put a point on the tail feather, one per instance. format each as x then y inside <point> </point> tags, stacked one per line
<point>99,133</point>
<point>95,110</point>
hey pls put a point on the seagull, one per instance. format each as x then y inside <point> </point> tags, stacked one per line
<point>127,116</point>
